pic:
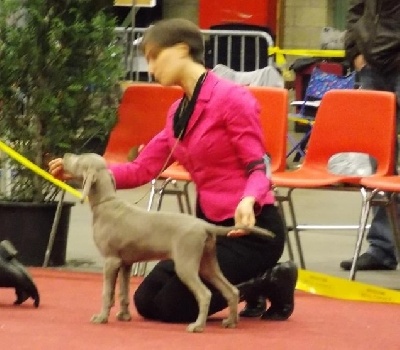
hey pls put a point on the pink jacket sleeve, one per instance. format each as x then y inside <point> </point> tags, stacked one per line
<point>146,166</point>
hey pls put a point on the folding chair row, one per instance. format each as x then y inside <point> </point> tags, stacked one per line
<point>351,114</point>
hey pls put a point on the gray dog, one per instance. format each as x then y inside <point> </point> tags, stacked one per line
<point>125,234</point>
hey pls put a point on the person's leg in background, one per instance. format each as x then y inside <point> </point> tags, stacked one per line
<point>381,253</point>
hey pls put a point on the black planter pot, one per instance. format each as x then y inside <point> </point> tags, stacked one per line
<point>28,227</point>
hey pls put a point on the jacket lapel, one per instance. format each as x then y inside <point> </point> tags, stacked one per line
<point>202,100</point>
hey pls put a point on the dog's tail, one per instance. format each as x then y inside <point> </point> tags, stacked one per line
<point>224,230</point>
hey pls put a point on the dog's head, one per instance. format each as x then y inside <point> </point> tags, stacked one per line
<point>86,167</point>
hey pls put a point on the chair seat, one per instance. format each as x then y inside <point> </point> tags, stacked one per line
<point>177,172</point>
<point>386,183</point>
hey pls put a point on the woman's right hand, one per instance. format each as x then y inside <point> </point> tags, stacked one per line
<point>56,168</point>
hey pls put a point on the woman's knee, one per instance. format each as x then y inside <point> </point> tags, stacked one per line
<point>144,302</point>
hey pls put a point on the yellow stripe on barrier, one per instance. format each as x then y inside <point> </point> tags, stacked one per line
<point>339,288</point>
<point>27,163</point>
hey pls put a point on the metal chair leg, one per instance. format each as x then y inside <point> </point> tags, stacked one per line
<point>365,209</point>
<point>152,194</point>
<point>279,200</point>
<point>295,228</point>
<point>187,198</point>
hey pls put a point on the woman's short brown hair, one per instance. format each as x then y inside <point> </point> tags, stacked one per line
<point>169,32</point>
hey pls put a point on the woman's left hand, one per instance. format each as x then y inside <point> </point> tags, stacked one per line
<point>244,215</point>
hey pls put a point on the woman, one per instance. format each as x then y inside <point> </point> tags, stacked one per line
<point>214,132</point>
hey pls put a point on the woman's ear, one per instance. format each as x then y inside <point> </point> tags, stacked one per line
<point>184,48</point>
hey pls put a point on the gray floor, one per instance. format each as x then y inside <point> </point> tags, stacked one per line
<point>323,250</point>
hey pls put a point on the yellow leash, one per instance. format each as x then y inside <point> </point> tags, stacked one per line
<point>27,163</point>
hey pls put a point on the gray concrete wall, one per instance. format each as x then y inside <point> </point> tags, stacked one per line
<point>181,8</point>
<point>303,21</point>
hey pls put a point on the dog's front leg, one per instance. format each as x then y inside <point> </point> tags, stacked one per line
<point>111,268</point>
<point>124,277</point>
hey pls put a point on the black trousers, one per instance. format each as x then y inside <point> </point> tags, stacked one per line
<point>162,296</point>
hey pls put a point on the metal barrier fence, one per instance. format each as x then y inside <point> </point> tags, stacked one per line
<point>237,49</point>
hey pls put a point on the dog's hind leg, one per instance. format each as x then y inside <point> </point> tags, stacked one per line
<point>210,271</point>
<point>187,270</point>
<point>124,277</point>
<point>111,268</point>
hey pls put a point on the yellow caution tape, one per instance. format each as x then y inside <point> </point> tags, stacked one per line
<point>339,288</point>
<point>27,163</point>
<point>280,55</point>
<point>303,52</point>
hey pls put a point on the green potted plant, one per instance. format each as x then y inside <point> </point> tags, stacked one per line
<point>60,66</point>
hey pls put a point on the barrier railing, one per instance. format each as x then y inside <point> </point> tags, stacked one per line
<point>235,48</point>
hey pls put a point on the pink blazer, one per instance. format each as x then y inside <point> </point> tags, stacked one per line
<point>223,136</point>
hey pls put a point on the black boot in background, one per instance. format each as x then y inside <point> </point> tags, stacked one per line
<point>14,275</point>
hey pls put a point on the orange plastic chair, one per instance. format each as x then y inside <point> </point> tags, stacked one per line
<point>274,122</point>
<point>141,115</point>
<point>390,186</point>
<point>346,121</point>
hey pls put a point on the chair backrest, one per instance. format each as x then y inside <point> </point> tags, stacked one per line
<point>274,122</point>
<point>141,115</point>
<point>354,121</point>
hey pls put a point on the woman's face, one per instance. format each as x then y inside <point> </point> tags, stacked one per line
<point>164,63</point>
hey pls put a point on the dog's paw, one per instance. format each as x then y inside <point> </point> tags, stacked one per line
<point>98,319</point>
<point>195,328</point>
<point>229,323</point>
<point>124,316</point>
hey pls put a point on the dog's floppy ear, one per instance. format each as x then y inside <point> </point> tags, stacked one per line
<point>89,178</point>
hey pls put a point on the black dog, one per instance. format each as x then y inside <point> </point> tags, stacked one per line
<point>14,275</point>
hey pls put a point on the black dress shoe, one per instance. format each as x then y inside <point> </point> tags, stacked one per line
<point>280,292</point>
<point>366,262</point>
<point>254,308</point>
<point>14,275</point>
